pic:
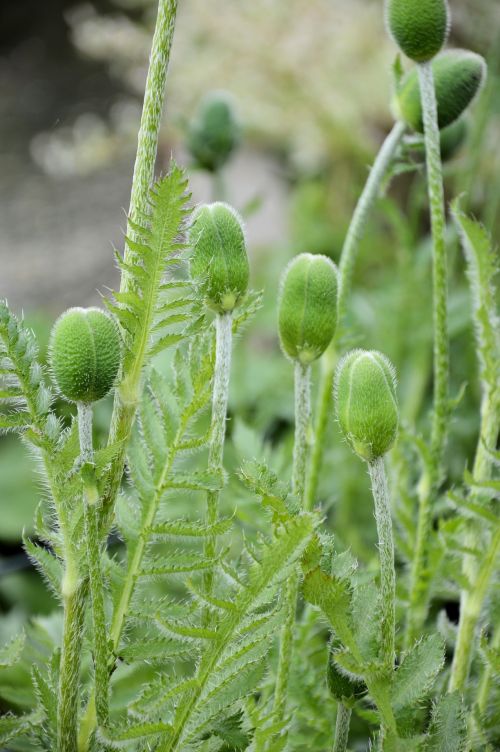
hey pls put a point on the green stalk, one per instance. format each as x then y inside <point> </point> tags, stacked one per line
<point>470,611</point>
<point>342,726</point>
<point>127,394</point>
<point>300,455</point>
<point>69,672</point>
<point>478,574</point>
<point>92,542</point>
<point>383,518</point>
<point>222,372</point>
<point>432,474</point>
<point>346,266</point>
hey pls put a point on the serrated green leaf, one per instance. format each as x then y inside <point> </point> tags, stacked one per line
<point>448,728</point>
<point>417,672</point>
<point>11,653</point>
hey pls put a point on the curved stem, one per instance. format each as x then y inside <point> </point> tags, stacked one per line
<point>300,455</point>
<point>383,518</point>
<point>432,473</point>
<point>222,372</point>
<point>124,408</point>
<point>92,542</point>
<point>342,726</point>
<point>346,266</point>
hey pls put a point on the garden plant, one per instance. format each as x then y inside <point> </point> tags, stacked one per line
<point>181,630</point>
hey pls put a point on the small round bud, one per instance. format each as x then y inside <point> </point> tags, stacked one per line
<point>307,309</point>
<point>458,77</point>
<point>366,404</point>
<point>85,354</point>
<point>419,27</point>
<point>219,261</point>
<point>213,133</point>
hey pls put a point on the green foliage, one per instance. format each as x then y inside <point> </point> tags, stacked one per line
<point>85,354</point>
<point>241,624</point>
<point>419,27</point>
<point>307,308</point>
<point>147,311</point>
<point>458,76</point>
<point>366,404</point>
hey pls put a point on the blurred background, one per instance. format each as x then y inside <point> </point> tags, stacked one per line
<point>309,83</point>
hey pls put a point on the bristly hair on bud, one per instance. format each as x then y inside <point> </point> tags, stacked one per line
<point>307,308</point>
<point>366,402</point>
<point>219,261</point>
<point>85,353</point>
<point>419,27</point>
<point>458,77</point>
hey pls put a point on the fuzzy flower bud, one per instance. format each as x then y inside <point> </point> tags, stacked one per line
<point>219,261</point>
<point>213,133</point>
<point>366,404</point>
<point>85,354</point>
<point>458,77</point>
<point>419,27</point>
<point>307,309</point>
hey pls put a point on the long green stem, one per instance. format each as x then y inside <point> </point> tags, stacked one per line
<point>222,373</point>
<point>342,726</point>
<point>471,608</point>
<point>69,672</point>
<point>92,542</point>
<point>300,455</point>
<point>440,417</point>
<point>479,574</point>
<point>354,235</point>
<point>126,396</point>
<point>383,518</point>
<point>89,720</point>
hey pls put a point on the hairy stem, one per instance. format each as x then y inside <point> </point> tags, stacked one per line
<point>300,455</point>
<point>346,266</point>
<point>92,542</point>
<point>134,563</point>
<point>220,395</point>
<point>479,574</point>
<point>383,518</point>
<point>69,670</point>
<point>342,726</point>
<point>127,394</point>
<point>440,417</point>
<point>470,612</point>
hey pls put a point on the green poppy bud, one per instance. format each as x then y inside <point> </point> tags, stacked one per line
<point>219,261</point>
<point>419,27</point>
<point>307,308</point>
<point>366,403</point>
<point>458,76</point>
<point>214,133</point>
<point>85,354</point>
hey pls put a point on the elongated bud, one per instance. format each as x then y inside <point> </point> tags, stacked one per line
<point>307,309</point>
<point>366,404</point>
<point>419,27</point>
<point>85,354</point>
<point>219,261</point>
<point>458,77</point>
<point>213,133</point>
